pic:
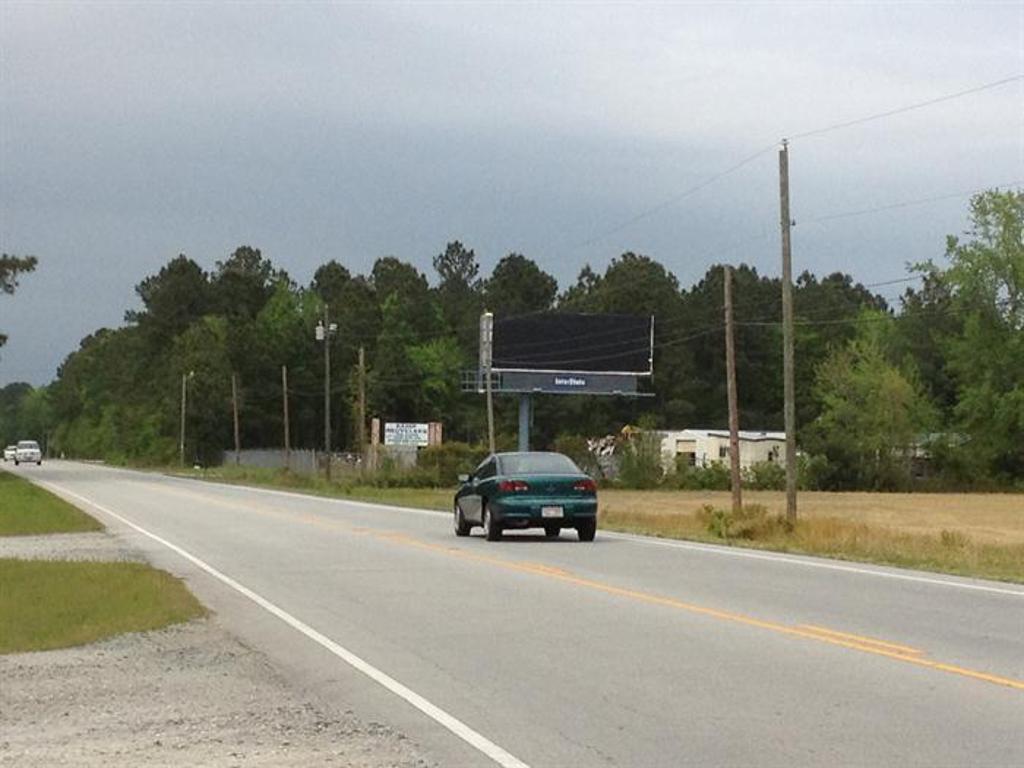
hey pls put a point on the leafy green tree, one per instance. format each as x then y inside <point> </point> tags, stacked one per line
<point>872,415</point>
<point>35,416</point>
<point>396,279</point>
<point>11,397</point>
<point>174,298</point>
<point>202,354</point>
<point>330,281</point>
<point>10,268</point>
<point>986,281</point>
<point>577,297</point>
<point>438,365</point>
<point>244,282</point>
<point>827,313</point>
<point>758,349</point>
<point>395,381</point>
<point>459,291</point>
<point>518,286</point>
<point>929,320</point>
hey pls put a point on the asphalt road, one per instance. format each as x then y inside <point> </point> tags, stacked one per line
<point>624,652</point>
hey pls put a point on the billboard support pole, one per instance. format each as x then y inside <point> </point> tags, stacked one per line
<point>486,350</point>
<point>524,421</point>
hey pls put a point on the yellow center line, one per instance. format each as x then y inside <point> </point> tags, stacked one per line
<point>863,639</point>
<point>883,648</point>
<point>820,634</point>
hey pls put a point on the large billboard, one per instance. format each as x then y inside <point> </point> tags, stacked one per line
<point>574,343</point>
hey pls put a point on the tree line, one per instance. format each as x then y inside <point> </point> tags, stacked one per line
<point>942,373</point>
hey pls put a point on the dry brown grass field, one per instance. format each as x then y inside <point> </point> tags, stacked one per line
<point>992,518</point>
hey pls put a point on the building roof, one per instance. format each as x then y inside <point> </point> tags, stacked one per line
<point>744,434</point>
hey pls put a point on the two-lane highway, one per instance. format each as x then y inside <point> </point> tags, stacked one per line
<point>624,652</point>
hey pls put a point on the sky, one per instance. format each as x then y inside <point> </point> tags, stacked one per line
<point>132,132</point>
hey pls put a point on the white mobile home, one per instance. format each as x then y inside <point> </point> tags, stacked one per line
<point>702,447</point>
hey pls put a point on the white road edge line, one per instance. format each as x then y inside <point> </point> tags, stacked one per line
<point>806,562</point>
<point>456,726</point>
<point>650,541</point>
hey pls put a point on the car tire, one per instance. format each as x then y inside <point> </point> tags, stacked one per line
<point>16,462</point>
<point>492,528</point>
<point>586,530</point>
<point>461,526</point>
<point>552,531</point>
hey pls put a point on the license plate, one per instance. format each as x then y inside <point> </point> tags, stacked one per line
<point>551,512</point>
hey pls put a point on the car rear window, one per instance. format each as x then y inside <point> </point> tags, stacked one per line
<point>28,444</point>
<point>538,464</point>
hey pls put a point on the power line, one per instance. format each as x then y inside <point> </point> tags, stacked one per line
<point>905,203</point>
<point>646,213</point>
<point>885,317</point>
<point>908,108</point>
<point>803,135</point>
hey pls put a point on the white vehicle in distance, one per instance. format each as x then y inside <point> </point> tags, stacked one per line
<point>28,452</point>
<point>9,452</point>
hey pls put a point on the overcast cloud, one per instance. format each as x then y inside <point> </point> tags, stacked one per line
<point>130,133</point>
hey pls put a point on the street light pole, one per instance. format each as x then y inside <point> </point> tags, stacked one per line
<point>181,444</point>
<point>324,330</point>
<point>184,396</point>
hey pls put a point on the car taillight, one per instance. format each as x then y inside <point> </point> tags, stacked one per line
<point>513,486</point>
<point>586,486</point>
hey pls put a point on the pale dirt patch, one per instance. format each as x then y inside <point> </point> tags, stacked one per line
<point>189,694</point>
<point>98,546</point>
<point>995,518</point>
<point>186,695</point>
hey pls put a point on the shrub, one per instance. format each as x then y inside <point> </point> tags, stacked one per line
<point>640,465</point>
<point>765,476</point>
<point>447,461</point>
<point>577,449</point>
<point>751,521</point>
<point>714,477</point>
<point>814,473</point>
<point>954,539</point>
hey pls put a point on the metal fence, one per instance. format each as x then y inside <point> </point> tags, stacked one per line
<point>305,461</point>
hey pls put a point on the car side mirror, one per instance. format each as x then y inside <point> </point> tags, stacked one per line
<point>464,478</point>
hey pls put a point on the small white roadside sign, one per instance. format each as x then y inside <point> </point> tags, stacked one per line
<point>398,433</point>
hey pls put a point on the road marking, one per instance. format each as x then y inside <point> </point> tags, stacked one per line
<point>862,639</point>
<point>435,713</point>
<point>807,561</point>
<point>831,637</point>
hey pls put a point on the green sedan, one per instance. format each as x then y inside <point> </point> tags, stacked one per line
<point>526,490</point>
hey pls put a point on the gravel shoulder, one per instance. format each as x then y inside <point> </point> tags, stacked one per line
<point>189,694</point>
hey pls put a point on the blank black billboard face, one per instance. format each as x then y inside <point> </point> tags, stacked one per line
<point>555,341</point>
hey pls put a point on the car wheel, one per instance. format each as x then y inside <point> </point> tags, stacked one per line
<point>552,531</point>
<point>586,530</point>
<point>461,526</point>
<point>16,462</point>
<point>492,528</point>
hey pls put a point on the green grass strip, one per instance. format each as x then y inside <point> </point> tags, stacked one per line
<point>26,510</point>
<point>46,604</point>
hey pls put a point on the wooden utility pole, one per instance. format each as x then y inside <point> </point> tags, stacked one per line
<point>789,388</point>
<point>734,416</point>
<point>487,347</point>
<point>234,416</point>
<point>181,445</point>
<point>361,431</point>
<point>284,404</point>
